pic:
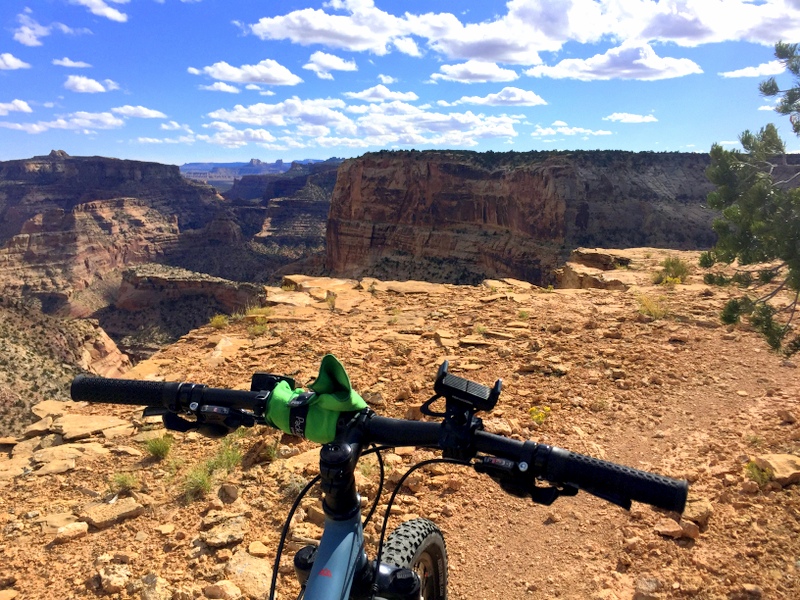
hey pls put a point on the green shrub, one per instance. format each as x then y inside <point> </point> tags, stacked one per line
<point>159,447</point>
<point>539,414</point>
<point>227,457</point>
<point>707,259</point>
<point>757,474</point>
<point>198,482</point>
<point>122,483</point>
<point>218,321</point>
<point>673,270</point>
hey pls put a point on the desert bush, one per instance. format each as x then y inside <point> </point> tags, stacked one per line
<point>673,270</point>
<point>757,474</point>
<point>122,483</point>
<point>218,321</point>
<point>159,447</point>
<point>652,307</point>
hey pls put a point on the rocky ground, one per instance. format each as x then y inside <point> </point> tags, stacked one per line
<point>681,395</point>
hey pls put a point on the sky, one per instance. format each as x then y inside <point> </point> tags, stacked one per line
<point>177,81</point>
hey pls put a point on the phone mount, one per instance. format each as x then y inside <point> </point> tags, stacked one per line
<point>463,399</point>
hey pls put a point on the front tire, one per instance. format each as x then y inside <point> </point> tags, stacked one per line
<point>419,545</point>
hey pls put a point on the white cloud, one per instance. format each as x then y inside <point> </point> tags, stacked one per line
<point>66,62</point>
<point>387,79</point>
<point>9,62</point>
<point>380,93</point>
<point>86,85</point>
<point>773,67</point>
<point>218,86</point>
<point>30,32</point>
<point>630,118</point>
<point>475,71</point>
<point>561,128</point>
<point>101,9</point>
<point>293,111</point>
<point>175,126</point>
<point>230,137</point>
<point>508,96</point>
<point>267,71</point>
<point>84,122</point>
<point>322,64</point>
<point>365,29</point>
<point>14,105</point>
<point>138,111</point>
<point>629,61</point>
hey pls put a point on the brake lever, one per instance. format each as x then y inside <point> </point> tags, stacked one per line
<point>512,480</point>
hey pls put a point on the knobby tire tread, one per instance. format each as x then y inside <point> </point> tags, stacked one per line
<point>409,540</point>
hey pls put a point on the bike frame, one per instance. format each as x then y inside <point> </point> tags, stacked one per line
<point>341,560</point>
<point>339,557</point>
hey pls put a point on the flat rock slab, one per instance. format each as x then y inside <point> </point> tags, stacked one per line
<point>54,408</point>
<point>785,468</point>
<point>229,531</point>
<point>56,466</point>
<point>52,523</point>
<point>68,451</point>
<point>403,287</point>
<point>13,467</point>
<point>102,516</point>
<point>75,427</point>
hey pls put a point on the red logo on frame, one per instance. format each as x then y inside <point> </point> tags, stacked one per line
<point>325,573</point>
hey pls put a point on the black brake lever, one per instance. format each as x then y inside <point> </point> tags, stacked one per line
<point>514,481</point>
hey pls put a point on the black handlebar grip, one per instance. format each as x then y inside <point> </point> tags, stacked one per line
<point>612,481</point>
<point>123,391</point>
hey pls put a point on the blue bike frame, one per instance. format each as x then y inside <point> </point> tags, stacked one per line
<point>339,557</point>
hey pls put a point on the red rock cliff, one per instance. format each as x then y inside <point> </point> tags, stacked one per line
<point>463,216</point>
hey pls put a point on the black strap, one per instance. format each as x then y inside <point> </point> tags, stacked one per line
<point>298,413</point>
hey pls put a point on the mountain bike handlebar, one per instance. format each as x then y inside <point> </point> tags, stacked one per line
<point>516,465</point>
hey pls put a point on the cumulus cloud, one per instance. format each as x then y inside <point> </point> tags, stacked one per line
<point>73,64</point>
<point>475,71</point>
<point>387,79</point>
<point>381,93</point>
<point>9,62</point>
<point>629,61</point>
<point>14,106</point>
<point>364,29</point>
<point>82,122</point>
<point>102,9</point>
<point>508,96</point>
<point>323,123</point>
<point>219,86</point>
<point>30,32</point>
<point>561,128</point>
<point>267,71</point>
<point>230,137</point>
<point>138,111</point>
<point>322,64</point>
<point>773,67</point>
<point>86,85</point>
<point>293,111</point>
<point>623,117</point>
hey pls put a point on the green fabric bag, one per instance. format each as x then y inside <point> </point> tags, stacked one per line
<point>313,415</point>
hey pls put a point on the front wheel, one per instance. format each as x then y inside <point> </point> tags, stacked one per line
<point>419,545</point>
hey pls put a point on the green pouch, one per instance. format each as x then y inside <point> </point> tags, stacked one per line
<point>313,415</point>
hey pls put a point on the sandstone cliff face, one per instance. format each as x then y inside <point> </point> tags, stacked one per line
<point>60,252</point>
<point>463,216</point>
<point>31,186</point>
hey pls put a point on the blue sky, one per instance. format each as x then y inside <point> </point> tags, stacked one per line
<point>179,81</point>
